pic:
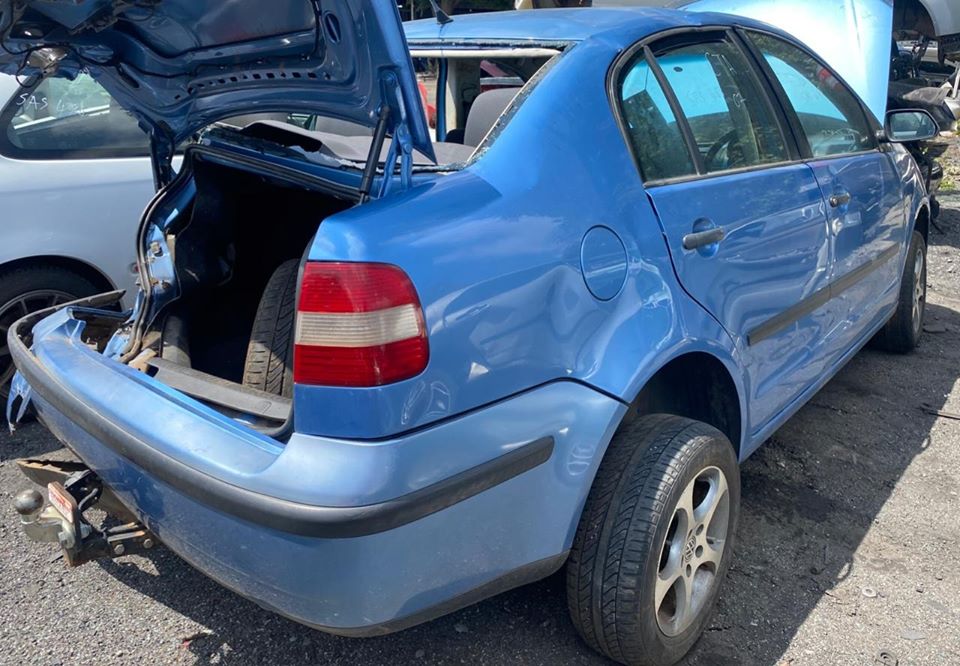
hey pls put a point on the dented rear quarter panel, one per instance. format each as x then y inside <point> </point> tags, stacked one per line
<point>495,253</point>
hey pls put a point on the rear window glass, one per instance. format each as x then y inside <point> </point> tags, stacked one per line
<point>478,90</point>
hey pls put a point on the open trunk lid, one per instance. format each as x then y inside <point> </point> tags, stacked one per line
<point>179,65</point>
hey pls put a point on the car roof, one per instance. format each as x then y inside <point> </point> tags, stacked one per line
<point>624,24</point>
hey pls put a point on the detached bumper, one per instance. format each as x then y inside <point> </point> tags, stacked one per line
<point>351,537</point>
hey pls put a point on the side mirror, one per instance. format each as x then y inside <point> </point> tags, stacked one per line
<point>905,125</point>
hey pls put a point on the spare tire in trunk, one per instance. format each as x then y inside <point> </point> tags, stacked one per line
<point>269,362</point>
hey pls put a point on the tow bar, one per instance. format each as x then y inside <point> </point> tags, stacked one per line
<point>72,489</point>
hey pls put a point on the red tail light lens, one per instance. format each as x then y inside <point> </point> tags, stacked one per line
<point>357,325</point>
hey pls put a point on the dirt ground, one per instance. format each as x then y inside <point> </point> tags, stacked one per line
<point>848,550</point>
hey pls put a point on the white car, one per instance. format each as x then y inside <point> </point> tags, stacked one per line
<point>75,175</point>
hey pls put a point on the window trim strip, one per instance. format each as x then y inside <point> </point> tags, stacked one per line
<point>696,159</point>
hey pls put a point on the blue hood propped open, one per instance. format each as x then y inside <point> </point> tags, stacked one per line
<point>180,65</point>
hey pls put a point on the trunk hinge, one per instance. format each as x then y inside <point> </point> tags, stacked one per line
<point>161,158</point>
<point>393,116</point>
<point>401,148</point>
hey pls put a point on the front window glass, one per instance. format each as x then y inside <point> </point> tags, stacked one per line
<point>727,110</point>
<point>832,119</point>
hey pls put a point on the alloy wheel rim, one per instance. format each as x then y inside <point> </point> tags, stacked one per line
<point>919,291</point>
<point>692,551</point>
<point>14,309</point>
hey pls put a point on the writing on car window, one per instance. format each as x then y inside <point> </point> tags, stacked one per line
<point>60,118</point>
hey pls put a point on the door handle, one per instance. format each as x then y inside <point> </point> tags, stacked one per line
<point>701,238</point>
<point>839,199</point>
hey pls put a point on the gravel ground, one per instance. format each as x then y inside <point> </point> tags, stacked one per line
<point>847,550</point>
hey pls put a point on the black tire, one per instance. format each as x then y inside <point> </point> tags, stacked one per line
<point>617,554</point>
<point>31,288</point>
<point>902,332</point>
<point>269,363</point>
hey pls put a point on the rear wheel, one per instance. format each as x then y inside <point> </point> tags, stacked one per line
<point>28,289</point>
<point>655,540</point>
<point>902,333</point>
<point>269,363</point>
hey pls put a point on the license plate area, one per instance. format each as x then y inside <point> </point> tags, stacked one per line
<point>64,506</point>
<point>63,502</point>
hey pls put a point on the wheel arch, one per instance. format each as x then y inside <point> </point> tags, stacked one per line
<point>78,266</point>
<point>697,384</point>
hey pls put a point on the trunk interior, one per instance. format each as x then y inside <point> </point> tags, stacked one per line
<point>240,228</point>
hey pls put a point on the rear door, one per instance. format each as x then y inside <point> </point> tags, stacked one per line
<point>865,207</point>
<point>743,216</point>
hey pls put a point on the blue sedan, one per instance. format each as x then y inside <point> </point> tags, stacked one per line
<point>378,370</point>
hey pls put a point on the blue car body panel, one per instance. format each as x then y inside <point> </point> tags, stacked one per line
<point>554,287</point>
<point>776,251</point>
<point>513,310</point>
<point>328,472</point>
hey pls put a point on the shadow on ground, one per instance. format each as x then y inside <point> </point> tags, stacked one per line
<point>809,497</point>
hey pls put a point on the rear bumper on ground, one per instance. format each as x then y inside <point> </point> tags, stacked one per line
<point>351,537</point>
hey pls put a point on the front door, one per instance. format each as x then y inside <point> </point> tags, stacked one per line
<point>860,185</point>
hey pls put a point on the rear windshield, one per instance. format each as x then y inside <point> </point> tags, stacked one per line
<point>478,87</point>
<point>478,90</point>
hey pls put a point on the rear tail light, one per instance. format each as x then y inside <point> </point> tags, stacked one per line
<point>357,325</point>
